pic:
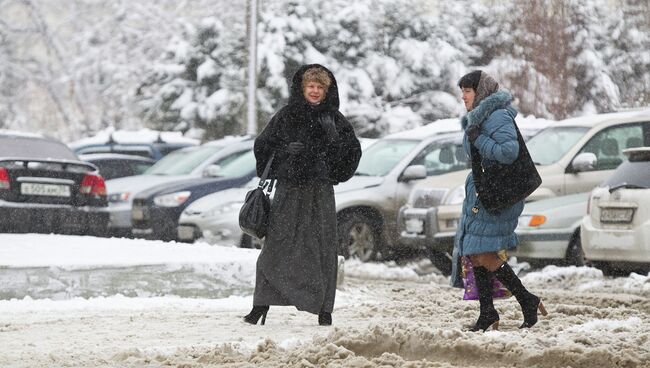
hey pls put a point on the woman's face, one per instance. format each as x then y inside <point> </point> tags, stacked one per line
<point>468,97</point>
<point>314,92</point>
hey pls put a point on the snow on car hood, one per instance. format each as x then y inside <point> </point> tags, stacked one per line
<point>358,182</point>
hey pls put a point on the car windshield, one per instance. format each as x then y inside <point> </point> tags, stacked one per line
<point>238,167</point>
<point>561,139</point>
<point>182,162</point>
<point>380,158</point>
<point>34,148</point>
<point>630,174</point>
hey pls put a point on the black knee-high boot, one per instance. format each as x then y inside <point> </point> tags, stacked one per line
<point>529,302</point>
<point>489,316</point>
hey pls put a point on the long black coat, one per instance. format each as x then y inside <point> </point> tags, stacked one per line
<point>324,159</point>
<point>298,263</point>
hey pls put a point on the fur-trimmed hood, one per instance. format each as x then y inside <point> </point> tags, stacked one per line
<point>498,100</point>
<point>297,99</point>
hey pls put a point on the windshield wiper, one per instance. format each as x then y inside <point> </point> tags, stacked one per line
<point>359,173</point>
<point>626,186</point>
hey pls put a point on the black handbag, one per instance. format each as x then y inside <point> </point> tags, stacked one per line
<point>499,185</point>
<point>254,214</point>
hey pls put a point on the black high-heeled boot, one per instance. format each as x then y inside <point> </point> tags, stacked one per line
<point>255,314</point>
<point>325,319</point>
<point>489,316</point>
<point>529,302</point>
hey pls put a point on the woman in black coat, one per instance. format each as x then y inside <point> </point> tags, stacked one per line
<point>313,147</point>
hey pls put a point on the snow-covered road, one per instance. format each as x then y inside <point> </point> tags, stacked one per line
<point>386,315</point>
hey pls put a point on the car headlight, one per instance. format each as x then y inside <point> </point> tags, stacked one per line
<point>227,207</point>
<point>426,197</point>
<point>456,196</point>
<point>172,199</point>
<point>119,197</point>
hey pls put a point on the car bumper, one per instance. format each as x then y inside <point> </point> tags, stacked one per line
<point>119,218</point>
<point>616,243</point>
<point>222,229</point>
<point>428,228</point>
<point>155,223</point>
<point>543,243</point>
<point>43,218</point>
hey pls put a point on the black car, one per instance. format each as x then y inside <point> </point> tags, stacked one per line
<point>44,188</point>
<point>152,148</point>
<point>156,211</point>
<point>115,165</point>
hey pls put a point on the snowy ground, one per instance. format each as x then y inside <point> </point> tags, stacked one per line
<point>69,311</point>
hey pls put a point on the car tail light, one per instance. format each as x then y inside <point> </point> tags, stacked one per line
<point>4,178</point>
<point>93,185</point>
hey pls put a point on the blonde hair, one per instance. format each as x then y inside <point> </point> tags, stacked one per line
<point>318,75</point>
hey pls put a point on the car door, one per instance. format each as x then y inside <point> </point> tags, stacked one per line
<point>608,145</point>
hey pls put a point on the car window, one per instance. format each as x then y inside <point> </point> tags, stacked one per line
<point>113,169</point>
<point>608,145</point>
<point>34,148</point>
<point>380,158</point>
<point>138,168</point>
<point>182,162</point>
<point>440,158</point>
<point>561,139</point>
<point>630,173</point>
<point>239,167</point>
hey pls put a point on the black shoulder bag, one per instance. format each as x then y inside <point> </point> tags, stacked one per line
<point>254,214</point>
<point>500,186</point>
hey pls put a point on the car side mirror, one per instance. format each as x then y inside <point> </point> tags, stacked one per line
<point>585,161</point>
<point>414,172</point>
<point>211,171</point>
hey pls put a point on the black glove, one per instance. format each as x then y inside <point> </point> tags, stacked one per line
<point>329,126</point>
<point>295,148</point>
<point>472,132</point>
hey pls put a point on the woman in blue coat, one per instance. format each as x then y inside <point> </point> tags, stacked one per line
<point>489,126</point>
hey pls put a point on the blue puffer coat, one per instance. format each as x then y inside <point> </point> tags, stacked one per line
<point>484,232</point>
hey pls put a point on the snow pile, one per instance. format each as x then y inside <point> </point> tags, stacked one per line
<point>420,271</point>
<point>587,279</point>
<point>58,267</point>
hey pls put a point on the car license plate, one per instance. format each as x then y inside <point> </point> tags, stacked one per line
<point>616,215</point>
<point>50,190</point>
<point>137,213</point>
<point>186,232</point>
<point>414,225</point>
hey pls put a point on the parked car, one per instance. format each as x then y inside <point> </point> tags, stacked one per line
<point>367,204</point>
<point>146,143</point>
<point>549,230</point>
<point>215,217</point>
<point>115,165</point>
<point>616,230</point>
<point>156,211</point>
<point>572,156</point>
<point>44,188</point>
<point>191,162</point>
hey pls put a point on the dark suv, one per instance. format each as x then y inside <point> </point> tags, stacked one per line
<point>44,188</point>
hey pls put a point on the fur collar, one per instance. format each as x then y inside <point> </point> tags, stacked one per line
<point>498,100</point>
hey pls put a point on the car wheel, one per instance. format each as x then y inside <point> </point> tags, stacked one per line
<point>441,260</point>
<point>574,254</point>
<point>358,237</point>
<point>605,267</point>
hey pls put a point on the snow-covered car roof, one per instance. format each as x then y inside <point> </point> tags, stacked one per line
<point>610,118</point>
<point>142,136</point>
